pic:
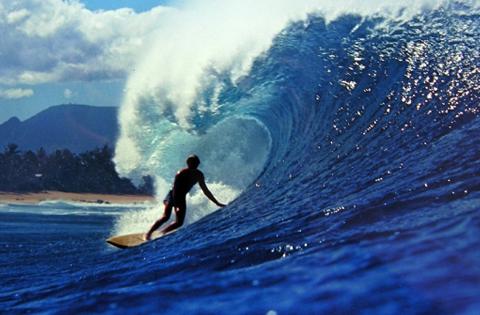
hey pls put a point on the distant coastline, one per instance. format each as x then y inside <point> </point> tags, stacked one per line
<point>65,153</point>
<point>91,198</point>
<point>89,172</point>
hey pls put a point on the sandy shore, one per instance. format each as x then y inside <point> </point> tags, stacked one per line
<point>33,198</point>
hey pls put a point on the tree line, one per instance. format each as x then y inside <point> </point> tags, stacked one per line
<point>89,172</point>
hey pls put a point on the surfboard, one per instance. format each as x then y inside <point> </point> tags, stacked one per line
<point>132,240</point>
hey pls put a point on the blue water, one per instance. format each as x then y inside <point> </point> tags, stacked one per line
<point>367,202</point>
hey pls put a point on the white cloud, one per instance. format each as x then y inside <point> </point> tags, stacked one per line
<point>54,40</point>
<point>17,16</point>
<point>15,93</point>
<point>67,93</point>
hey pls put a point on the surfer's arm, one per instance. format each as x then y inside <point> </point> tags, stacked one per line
<point>207,192</point>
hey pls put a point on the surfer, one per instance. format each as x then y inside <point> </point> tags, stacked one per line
<point>184,181</point>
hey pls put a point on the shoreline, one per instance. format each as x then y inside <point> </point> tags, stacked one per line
<point>88,198</point>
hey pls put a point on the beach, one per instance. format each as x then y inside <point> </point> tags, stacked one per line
<point>35,198</point>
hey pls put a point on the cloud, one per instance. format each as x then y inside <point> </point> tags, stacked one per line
<point>67,93</point>
<point>54,40</point>
<point>16,16</point>
<point>16,93</point>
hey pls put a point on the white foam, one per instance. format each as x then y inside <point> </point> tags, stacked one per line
<point>66,209</point>
<point>70,204</point>
<point>198,206</point>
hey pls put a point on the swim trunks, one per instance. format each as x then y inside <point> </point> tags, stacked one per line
<point>179,203</point>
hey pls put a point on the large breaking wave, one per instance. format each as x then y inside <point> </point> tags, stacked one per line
<point>306,103</point>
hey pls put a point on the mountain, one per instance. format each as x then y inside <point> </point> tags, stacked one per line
<point>75,127</point>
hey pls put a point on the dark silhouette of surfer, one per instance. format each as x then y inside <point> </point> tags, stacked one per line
<point>184,181</point>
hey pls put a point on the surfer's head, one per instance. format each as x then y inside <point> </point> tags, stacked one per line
<point>193,161</point>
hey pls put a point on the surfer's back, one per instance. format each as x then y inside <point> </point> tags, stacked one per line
<point>186,179</point>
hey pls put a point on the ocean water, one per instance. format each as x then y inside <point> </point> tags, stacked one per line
<point>348,149</point>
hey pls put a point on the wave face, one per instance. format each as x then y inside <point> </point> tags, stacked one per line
<point>349,146</point>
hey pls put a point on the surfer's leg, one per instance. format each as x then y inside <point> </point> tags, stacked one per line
<point>180,218</point>
<point>166,215</point>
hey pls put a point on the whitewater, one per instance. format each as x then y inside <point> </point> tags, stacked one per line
<point>345,138</point>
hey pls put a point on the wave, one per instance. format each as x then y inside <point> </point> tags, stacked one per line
<point>70,209</point>
<point>320,95</point>
<point>97,205</point>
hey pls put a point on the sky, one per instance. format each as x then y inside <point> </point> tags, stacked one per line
<point>71,51</point>
<point>137,5</point>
